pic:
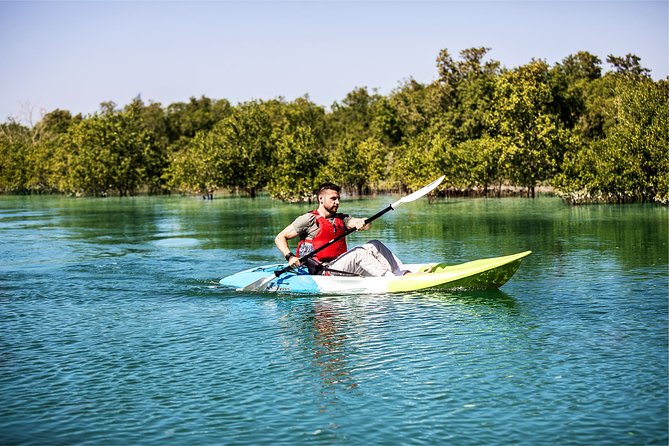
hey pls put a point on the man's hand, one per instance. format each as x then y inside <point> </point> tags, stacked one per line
<point>294,261</point>
<point>358,224</point>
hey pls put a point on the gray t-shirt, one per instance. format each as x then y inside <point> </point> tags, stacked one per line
<point>306,226</point>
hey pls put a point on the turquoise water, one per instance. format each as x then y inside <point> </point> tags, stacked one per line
<point>114,331</point>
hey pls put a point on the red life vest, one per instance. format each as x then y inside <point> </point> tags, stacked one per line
<point>326,232</point>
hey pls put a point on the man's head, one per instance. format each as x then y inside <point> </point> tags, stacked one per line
<point>328,186</point>
<point>328,197</point>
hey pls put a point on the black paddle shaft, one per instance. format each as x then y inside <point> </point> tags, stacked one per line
<point>334,240</point>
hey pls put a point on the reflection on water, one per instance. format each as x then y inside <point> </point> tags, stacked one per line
<point>346,337</point>
<point>329,347</point>
<point>491,298</point>
<point>321,328</point>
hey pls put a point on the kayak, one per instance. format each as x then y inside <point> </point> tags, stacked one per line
<point>475,275</point>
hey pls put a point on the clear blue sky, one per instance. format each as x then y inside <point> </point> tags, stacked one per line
<point>75,55</point>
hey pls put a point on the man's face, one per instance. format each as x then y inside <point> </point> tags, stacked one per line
<point>330,200</point>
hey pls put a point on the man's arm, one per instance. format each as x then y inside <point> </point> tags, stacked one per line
<point>358,224</point>
<point>281,242</point>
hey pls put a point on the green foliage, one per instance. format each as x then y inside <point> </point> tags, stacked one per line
<point>599,107</point>
<point>237,152</point>
<point>196,168</point>
<point>108,152</point>
<point>298,167</point>
<point>477,163</point>
<point>360,165</point>
<point>299,132</point>
<point>386,126</point>
<point>569,82</point>
<point>422,160</point>
<point>467,87</point>
<point>414,106</point>
<point>352,119</point>
<point>591,136</point>
<point>522,115</point>
<point>632,161</point>
<point>183,120</point>
<point>250,149</point>
<point>628,65</point>
<point>15,143</point>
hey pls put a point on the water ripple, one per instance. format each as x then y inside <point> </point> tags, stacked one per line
<point>114,331</point>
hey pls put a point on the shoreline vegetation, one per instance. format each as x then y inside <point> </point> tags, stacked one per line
<point>498,191</point>
<point>569,129</point>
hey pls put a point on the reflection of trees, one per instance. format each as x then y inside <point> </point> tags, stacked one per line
<point>110,222</point>
<point>476,228</point>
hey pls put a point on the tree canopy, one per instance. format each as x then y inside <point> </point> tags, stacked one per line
<point>592,136</point>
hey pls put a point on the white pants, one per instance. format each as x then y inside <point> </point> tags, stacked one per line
<point>371,259</point>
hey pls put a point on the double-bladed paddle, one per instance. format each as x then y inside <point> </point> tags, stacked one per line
<point>261,284</point>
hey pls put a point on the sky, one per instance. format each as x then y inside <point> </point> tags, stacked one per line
<point>74,55</point>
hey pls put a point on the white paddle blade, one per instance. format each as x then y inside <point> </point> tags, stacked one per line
<point>419,193</point>
<point>259,285</point>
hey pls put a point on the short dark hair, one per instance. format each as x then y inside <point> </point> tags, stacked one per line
<point>328,186</point>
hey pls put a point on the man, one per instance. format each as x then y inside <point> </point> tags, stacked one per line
<point>318,227</point>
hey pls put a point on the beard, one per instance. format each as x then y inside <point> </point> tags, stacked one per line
<point>332,209</point>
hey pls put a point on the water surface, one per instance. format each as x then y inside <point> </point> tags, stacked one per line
<point>114,331</point>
